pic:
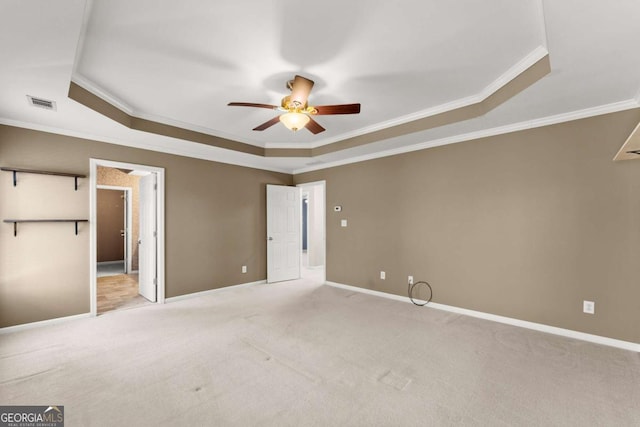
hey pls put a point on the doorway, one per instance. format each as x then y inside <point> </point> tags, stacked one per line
<point>117,223</point>
<point>114,229</point>
<point>313,223</point>
<point>140,238</point>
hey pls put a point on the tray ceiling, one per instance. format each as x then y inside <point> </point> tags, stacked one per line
<point>175,65</point>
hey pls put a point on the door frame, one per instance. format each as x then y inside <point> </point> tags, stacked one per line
<point>322,184</point>
<point>128,221</point>
<point>160,206</point>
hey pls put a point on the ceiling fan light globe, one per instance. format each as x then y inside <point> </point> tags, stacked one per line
<point>294,121</point>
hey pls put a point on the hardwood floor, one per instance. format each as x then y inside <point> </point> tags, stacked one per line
<point>118,292</point>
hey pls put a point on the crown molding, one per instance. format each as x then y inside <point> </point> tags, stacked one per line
<point>214,154</point>
<point>102,94</point>
<point>106,96</point>
<point>515,127</point>
<point>514,71</point>
<point>518,69</point>
<point>510,84</point>
<point>193,150</point>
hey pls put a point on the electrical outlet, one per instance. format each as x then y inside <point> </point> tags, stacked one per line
<point>410,280</point>
<point>244,268</point>
<point>383,275</point>
<point>589,307</point>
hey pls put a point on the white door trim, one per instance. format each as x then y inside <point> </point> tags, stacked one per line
<point>128,220</point>
<point>323,184</point>
<point>93,169</point>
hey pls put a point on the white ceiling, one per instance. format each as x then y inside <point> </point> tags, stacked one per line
<point>180,63</point>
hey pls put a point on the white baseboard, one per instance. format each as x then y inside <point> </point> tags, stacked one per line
<point>626,345</point>
<point>213,291</point>
<point>41,323</point>
<point>110,262</point>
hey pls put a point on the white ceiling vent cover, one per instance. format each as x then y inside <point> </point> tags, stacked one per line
<point>42,103</point>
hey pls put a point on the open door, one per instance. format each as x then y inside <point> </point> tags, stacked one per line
<point>283,233</point>
<point>147,243</point>
<point>111,226</point>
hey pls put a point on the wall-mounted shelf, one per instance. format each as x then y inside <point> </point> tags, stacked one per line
<point>16,221</point>
<point>15,171</point>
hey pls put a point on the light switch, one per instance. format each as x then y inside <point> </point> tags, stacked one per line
<point>343,223</point>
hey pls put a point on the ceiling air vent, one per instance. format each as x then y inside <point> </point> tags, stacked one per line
<point>634,152</point>
<point>42,103</point>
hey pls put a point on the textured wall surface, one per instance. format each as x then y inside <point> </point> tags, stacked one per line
<point>525,225</point>
<point>214,223</point>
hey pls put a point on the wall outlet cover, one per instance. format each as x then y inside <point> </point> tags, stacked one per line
<point>244,268</point>
<point>343,223</point>
<point>383,275</point>
<point>589,307</point>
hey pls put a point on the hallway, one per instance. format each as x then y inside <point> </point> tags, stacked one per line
<point>118,292</point>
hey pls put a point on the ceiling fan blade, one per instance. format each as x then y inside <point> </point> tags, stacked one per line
<point>251,104</point>
<point>338,109</point>
<point>314,127</point>
<point>300,89</point>
<point>268,124</point>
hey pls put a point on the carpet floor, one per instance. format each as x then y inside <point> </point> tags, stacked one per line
<point>303,354</point>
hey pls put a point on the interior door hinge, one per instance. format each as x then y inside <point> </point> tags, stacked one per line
<point>155,186</point>
<point>155,281</point>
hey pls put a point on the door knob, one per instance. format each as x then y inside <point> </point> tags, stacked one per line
<point>269,238</point>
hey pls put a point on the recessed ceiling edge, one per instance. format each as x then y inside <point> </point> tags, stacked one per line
<point>518,83</point>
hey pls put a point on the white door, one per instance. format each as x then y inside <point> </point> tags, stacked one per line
<point>147,243</point>
<point>283,233</point>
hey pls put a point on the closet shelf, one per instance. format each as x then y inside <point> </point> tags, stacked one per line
<point>16,221</point>
<point>15,171</point>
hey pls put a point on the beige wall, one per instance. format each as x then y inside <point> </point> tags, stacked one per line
<point>214,223</point>
<point>525,225</point>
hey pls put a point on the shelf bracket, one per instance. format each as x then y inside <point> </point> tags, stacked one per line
<point>15,171</point>
<point>16,221</point>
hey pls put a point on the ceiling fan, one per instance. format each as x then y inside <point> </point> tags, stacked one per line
<point>297,112</point>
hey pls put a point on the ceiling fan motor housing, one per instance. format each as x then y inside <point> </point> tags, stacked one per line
<point>292,105</point>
